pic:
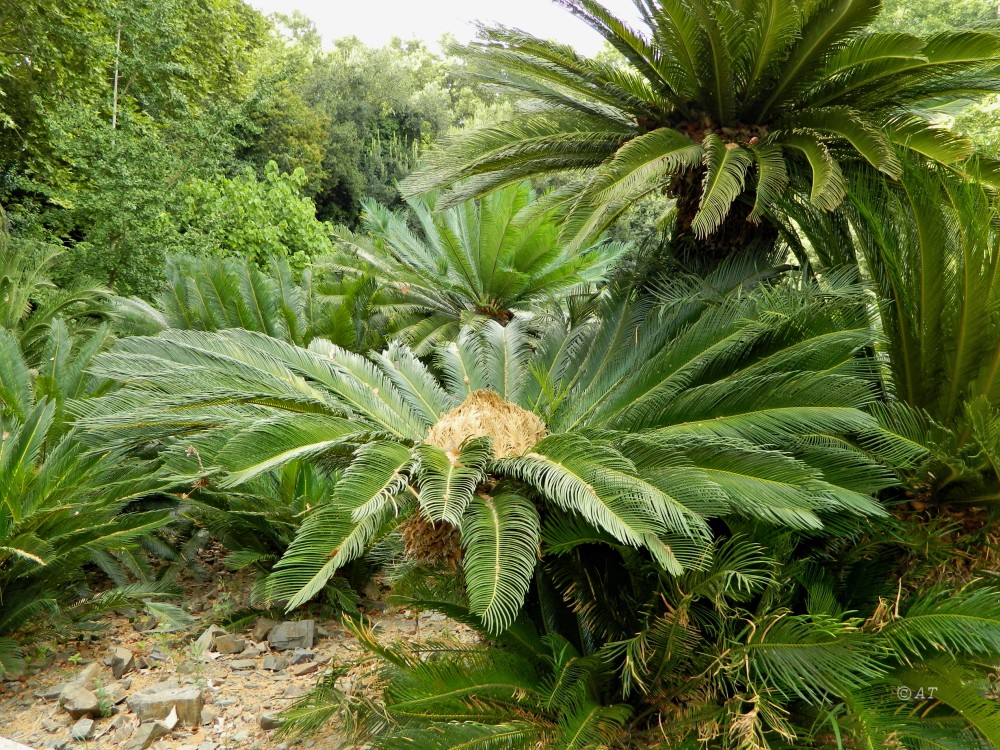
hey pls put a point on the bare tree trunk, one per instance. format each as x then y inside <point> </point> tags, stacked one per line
<point>118,55</point>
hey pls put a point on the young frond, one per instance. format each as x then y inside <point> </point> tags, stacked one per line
<point>447,481</point>
<point>726,168</point>
<point>500,536</point>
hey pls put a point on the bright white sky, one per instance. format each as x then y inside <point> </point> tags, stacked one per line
<point>376,21</point>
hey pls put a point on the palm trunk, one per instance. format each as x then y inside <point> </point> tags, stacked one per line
<point>736,236</point>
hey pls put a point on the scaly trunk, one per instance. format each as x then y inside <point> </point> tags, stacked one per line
<point>735,236</point>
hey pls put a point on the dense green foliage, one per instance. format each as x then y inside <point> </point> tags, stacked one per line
<point>725,106</point>
<point>62,506</point>
<point>133,131</point>
<point>622,421</point>
<point>499,257</point>
<point>701,508</point>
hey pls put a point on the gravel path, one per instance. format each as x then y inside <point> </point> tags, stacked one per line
<point>224,695</point>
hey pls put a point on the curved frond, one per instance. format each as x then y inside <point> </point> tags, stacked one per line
<point>500,536</point>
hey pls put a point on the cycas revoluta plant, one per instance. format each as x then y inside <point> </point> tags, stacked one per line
<point>62,506</point>
<point>213,294</point>
<point>30,303</point>
<point>640,428</point>
<point>498,257</point>
<point>799,641</point>
<point>725,105</point>
<point>257,521</point>
<point>932,250</point>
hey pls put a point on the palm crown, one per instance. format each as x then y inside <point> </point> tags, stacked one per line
<point>639,428</point>
<point>719,103</point>
<point>497,257</point>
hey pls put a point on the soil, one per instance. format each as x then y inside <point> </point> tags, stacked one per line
<point>235,700</point>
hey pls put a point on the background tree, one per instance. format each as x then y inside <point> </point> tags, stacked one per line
<point>384,106</point>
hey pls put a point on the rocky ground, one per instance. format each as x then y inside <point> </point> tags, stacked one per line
<point>130,688</point>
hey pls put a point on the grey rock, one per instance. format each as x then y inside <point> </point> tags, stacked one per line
<point>204,642</point>
<point>87,676</point>
<point>147,733</point>
<point>50,725</point>
<point>295,691</point>
<point>225,702</point>
<point>112,694</point>
<point>119,721</point>
<point>122,662</point>
<point>229,644</point>
<point>79,702</point>
<point>275,663</point>
<point>242,664</point>
<point>292,635</point>
<point>251,651</point>
<point>123,729</point>
<point>158,654</point>
<point>240,737</point>
<point>304,669</point>
<point>186,667</point>
<point>52,693</point>
<point>301,656</point>
<point>207,716</point>
<point>208,746</point>
<point>156,704</point>
<point>142,626</point>
<point>82,729</point>
<point>55,744</point>
<point>262,628</point>
<point>270,721</point>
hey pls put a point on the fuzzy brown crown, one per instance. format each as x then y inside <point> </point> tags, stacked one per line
<point>514,430</point>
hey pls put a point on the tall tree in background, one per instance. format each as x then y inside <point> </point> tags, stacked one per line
<point>725,106</point>
<point>113,105</point>
<point>979,120</point>
<point>932,16</point>
<point>383,106</point>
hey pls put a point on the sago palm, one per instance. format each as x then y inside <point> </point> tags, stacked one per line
<point>257,521</point>
<point>62,506</point>
<point>30,302</point>
<point>794,641</point>
<point>724,105</point>
<point>212,294</point>
<point>930,248</point>
<point>497,257</point>
<point>640,428</point>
